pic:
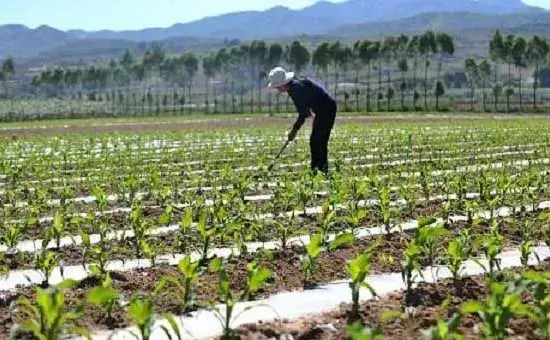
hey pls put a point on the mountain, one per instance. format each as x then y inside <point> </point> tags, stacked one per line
<point>315,19</point>
<point>323,18</point>
<point>456,23</point>
<point>19,40</point>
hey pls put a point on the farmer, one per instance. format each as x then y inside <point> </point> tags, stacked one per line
<point>308,97</point>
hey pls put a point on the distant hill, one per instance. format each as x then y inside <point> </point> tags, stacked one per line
<point>350,18</point>
<point>315,19</point>
<point>452,22</point>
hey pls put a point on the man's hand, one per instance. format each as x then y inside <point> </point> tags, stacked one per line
<point>292,135</point>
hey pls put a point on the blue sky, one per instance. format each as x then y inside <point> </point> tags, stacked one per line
<point>135,14</point>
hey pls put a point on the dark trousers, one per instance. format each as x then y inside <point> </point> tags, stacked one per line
<point>320,136</point>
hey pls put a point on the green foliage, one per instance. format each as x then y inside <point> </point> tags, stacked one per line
<point>502,304</point>
<point>358,269</point>
<point>142,313</point>
<point>46,318</point>
<point>106,297</point>
<point>313,249</point>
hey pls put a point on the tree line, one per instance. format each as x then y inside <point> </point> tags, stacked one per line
<point>249,63</point>
<point>409,66</point>
<point>510,51</point>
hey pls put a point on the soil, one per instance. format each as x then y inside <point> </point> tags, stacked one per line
<point>413,314</point>
<point>285,266</point>
<point>224,124</point>
<point>167,243</point>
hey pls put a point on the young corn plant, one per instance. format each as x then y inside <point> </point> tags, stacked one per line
<point>206,234</point>
<point>185,283</point>
<point>408,192</point>
<point>105,297</point>
<point>427,236</point>
<point>447,330</point>
<point>10,237</point>
<point>98,253</point>
<point>358,269</point>
<point>257,278</point>
<point>496,311</point>
<point>356,331</point>
<point>183,237</point>
<point>313,250</point>
<point>167,216</point>
<point>140,227</point>
<point>458,251</point>
<point>326,220</point>
<point>425,181</point>
<point>47,318</point>
<point>491,246</point>
<point>45,262</point>
<point>142,313</point>
<point>354,217</point>
<point>410,267</point>
<point>537,283</point>
<point>527,242</point>
<point>58,228</point>
<point>386,210</point>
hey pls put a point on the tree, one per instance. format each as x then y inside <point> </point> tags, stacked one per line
<point>191,66</point>
<point>321,59</point>
<point>223,65</point>
<point>445,48</point>
<point>127,60</point>
<point>402,64</point>
<point>298,56</point>
<point>537,54</point>
<point>388,52</point>
<point>427,47</point>
<point>485,71</point>
<point>367,54</point>
<point>274,55</point>
<point>344,60</point>
<point>519,51</point>
<point>357,66</point>
<point>209,70</point>
<point>413,51</point>
<point>507,57</point>
<point>153,58</point>
<point>496,53</point>
<point>377,54</point>
<point>258,60</point>
<point>439,91</point>
<point>472,73</point>
<point>7,70</point>
<point>335,51</point>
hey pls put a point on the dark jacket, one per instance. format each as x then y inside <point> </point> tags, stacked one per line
<point>307,96</point>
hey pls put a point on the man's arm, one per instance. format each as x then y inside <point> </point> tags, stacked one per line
<point>303,113</point>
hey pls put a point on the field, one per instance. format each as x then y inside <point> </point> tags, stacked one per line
<point>426,227</point>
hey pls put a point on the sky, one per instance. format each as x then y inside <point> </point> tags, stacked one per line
<point>136,14</point>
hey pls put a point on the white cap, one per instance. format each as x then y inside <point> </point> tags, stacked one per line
<point>279,77</point>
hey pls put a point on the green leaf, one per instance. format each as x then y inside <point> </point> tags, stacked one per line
<point>341,241</point>
<point>470,307</point>
<point>216,265</point>
<point>426,221</point>
<point>187,219</point>
<point>314,247</point>
<point>258,279</point>
<point>174,326</point>
<point>141,311</point>
<point>101,295</point>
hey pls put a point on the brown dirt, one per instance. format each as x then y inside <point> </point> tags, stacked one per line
<point>285,266</point>
<point>431,303</point>
<point>226,123</point>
